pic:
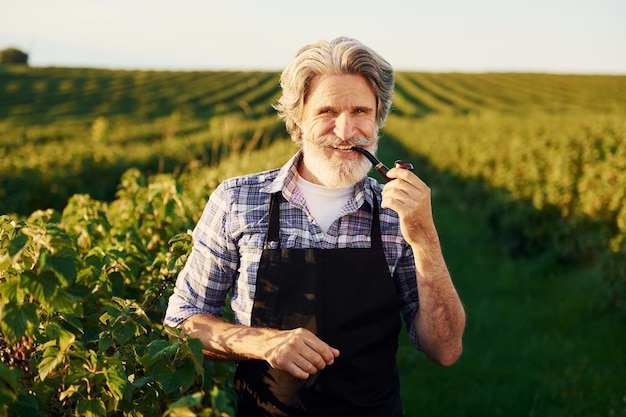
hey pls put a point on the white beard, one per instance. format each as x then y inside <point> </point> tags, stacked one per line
<point>334,172</point>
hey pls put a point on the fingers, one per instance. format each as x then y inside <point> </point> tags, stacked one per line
<point>300,353</point>
<point>407,193</point>
<point>410,197</point>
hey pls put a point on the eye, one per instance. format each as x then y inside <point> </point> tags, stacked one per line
<point>361,110</point>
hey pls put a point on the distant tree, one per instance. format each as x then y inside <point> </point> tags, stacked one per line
<point>13,56</point>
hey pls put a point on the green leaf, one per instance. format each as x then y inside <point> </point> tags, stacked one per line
<point>192,400</point>
<point>160,348</point>
<point>63,302</point>
<point>29,404</point>
<point>18,320</point>
<point>5,262</point>
<point>117,283</point>
<point>105,341</point>
<point>194,351</point>
<point>220,400</point>
<point>116,380</point>
<point>93,263</point>
<point>182,407</point>
<point>91,408</point>
<point>180,412</point>
<point>157,349</point>
<point>52,358</point>
<point>124,331</point>
<point>9,384</point>
<point>139,383</point>
<point>10,286</point>
<point>63,337</point>
<point>17,245</point>
<point>70,391</point>
<point>42,286</point>
<point>177,380</point>
<point>180,243</point>
<point>73,321</point>
<point>62,262</point>
<point>77,373</point>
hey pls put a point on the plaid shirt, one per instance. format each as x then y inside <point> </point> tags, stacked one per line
<point>231,234</point>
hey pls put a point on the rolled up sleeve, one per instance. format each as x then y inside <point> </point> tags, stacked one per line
<point>210,270</point>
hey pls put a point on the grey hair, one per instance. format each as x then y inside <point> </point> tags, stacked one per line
<point>339,56</point>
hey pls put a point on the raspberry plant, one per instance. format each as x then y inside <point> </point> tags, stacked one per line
<point>82,297</point>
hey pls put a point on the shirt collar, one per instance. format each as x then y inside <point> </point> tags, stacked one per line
<point>286,182</point>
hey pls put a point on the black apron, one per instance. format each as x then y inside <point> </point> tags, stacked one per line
<point>348,299</point>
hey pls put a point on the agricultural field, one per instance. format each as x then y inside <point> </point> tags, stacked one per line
<point>104,172</point>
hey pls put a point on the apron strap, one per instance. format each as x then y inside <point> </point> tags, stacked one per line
<point>273,227</point>
<point>377,240</point>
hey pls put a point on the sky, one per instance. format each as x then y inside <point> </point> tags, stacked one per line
<point>556,36</point>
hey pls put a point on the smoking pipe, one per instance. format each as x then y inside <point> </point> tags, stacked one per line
<point>379,166</point>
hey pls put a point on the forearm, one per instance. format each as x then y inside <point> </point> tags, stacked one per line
<point>440,320</point>
<point>297,351</point>
<point>227,341</point>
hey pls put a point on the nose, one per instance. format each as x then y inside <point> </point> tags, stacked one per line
<point>344,126</point>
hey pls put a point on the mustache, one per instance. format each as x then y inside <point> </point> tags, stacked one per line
<point>334,141</point>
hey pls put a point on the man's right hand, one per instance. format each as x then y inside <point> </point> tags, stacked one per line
<point>299,351</point>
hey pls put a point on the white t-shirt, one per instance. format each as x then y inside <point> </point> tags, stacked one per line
<point>324,203</point>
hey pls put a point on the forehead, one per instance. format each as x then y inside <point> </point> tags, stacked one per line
<point>340,89</point>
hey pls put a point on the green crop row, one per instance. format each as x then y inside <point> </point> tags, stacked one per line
<point>59,160</point>
<point>44,95</point>
<point>66,131</point>
<point>418,94</point>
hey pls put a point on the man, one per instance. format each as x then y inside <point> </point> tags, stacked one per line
<point>321,259</point>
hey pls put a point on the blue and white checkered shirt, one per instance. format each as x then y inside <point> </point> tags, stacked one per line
<point>230,236</point>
